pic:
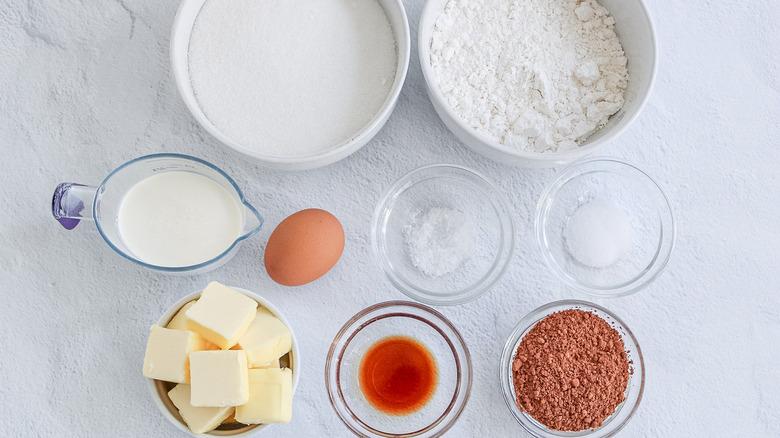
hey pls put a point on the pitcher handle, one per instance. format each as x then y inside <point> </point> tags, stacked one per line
<point>71,203</point>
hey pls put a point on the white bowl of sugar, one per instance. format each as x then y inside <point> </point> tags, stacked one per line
<point>293,84</point>
<point>537,83</point>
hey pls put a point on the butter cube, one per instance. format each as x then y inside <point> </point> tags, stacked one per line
<point>219,378</point>
<point>167,354</point>
<point>221,315</point>
<point>198,419</point>
<point>179,322</point>
<point>270,397</point>
<point>266,339</point>
<point>273,364</point>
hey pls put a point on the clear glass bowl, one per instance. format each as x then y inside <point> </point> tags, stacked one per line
<point>452,187</point>
<point>398,318</point>
<point>627,188</point>
<point>636,379</point>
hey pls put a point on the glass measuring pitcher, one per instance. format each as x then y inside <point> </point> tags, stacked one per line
<point>169,212</point>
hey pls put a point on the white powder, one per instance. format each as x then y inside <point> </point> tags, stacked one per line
<point>598,234</point>
<point>291,77</point>
<point>537,75</point>
<point>439,241</point>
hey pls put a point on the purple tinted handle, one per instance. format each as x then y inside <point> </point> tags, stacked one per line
<point>72,202</point>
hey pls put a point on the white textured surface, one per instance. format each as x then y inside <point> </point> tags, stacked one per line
<point>85,86</point>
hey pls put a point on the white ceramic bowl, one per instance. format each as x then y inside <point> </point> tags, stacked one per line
<point>159,390</point>
<point>180,40</point>
<point>635,30</point>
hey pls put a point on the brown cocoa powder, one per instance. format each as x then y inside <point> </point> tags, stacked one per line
<point>571,371</point>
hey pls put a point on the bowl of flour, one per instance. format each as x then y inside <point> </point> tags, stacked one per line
<point>537,83</point>
<point>292,84</point>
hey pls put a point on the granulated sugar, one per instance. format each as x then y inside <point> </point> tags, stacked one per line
<point>291,77</point>
<point>537,75</point>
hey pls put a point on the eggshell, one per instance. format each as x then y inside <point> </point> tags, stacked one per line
<point>304,247</point>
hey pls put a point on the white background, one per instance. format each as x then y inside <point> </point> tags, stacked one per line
<point>86,86</point>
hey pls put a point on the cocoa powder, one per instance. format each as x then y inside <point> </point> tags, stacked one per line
<point>571,371</point>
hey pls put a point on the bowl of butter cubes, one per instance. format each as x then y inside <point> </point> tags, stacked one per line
<point>222,361</point>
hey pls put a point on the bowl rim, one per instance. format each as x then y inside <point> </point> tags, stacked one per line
<point>392,309</point>
<point>551,159</point>
<point>432,171</point>
<point>667,241</point>
<point>633,398</point>
<point>180,73</point>
<point>250,429</point>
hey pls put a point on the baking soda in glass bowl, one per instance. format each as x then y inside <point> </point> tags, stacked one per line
<point>605,227</point>
<point>291,78</point>
<point>598,234</point>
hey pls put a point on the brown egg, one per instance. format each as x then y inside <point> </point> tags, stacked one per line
<point>304,247</point>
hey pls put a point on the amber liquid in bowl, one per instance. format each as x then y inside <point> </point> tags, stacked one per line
<point>398,375</point>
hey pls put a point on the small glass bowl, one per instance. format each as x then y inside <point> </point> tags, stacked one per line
<point>625,187</point>
<point>159,389</point>
<point>398,318</point>
<point>453,187</point>
<point>634,388</point>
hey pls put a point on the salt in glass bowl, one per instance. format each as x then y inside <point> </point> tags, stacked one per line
<point>159,389</point>
<point>634,388</point>
<point>453,187</point>
<point>634,27</point>
<point>180,41</point>
<point>631,190</point>
<point>389,319</point>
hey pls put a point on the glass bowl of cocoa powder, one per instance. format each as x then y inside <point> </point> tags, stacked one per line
<point>572,369</point>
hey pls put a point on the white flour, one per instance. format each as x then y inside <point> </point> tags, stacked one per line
<point>538,75</point>
<point>291,77</point>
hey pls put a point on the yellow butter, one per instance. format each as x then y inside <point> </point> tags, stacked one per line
<point>270,397</point>
<point>219,378</point>
<point>198,419</point>
<point>221,315</point>
<point>167,354</point>
<point>266,339</point>
<point>273,364</point>
<point>179,322</point>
